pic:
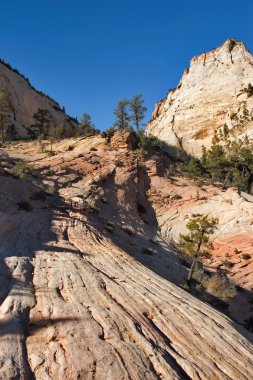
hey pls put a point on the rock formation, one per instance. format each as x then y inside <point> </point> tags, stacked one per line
<point>92,282</point>
<point>25,101</point>
<point>212,93</point>
<point>90,277</point>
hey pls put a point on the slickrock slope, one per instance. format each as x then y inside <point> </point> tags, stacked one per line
<point>25,101</point>
<point>211,93</point>
<point>82,298</point>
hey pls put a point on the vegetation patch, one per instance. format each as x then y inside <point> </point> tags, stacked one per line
<point>22,170</point>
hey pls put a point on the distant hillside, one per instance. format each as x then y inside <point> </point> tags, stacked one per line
<point>25,101</point>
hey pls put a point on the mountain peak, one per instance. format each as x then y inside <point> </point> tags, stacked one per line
<point>211,91</point>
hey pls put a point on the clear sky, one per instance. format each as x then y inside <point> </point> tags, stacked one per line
<point>89,54</point>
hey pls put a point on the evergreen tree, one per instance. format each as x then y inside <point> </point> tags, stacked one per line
<point>42,122</point>
<point>137,110</point>
<point>230,163</point>
<point>4,109</point>
<point>193,168</point>
<point>86,127</point>
<point>122,117</point>
<point>194,243</point>
<point>215,162</point>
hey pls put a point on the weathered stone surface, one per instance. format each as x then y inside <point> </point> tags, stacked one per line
<point>82,301</point>
<point>210,94</point>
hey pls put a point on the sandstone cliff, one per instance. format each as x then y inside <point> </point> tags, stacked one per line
<point>211,93</point>
<point>90,278</point>
<point>25,101</point>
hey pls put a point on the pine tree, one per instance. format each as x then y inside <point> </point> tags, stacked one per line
<point>137,110</point>
<point>194,243</point>
<point>122,117</point>
<point>193,168</point>
<point>42,122</point>
<point>4,109</point>
<point>86,127</point>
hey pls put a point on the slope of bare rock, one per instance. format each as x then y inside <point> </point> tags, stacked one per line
<point>211,93</point>
<point>25,101</point>
<point>234,236</point>
<point>83,298</point>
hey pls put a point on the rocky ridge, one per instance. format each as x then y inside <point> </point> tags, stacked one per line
<point>211,93</point>
<point>91,276</point>
<point>25,101</point>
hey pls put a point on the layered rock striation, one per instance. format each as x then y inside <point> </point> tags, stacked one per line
<point>90,282</point>
<point>213,92</point>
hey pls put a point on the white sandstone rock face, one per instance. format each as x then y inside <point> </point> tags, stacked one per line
<point>25,101</point>
<point>81,302</point>
<point>211,93</point>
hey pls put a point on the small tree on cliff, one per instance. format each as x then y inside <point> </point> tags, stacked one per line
<point>42,122</point>
<point>86,127</point>
<point>4,109</point>
<point>137,110</point>
<point>122,117</point>
<point>194,243</point>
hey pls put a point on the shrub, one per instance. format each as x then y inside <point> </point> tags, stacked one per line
<point>249,90</point>
<point>228,264</point>
<point>118,164</point>
<point>109,227</point>
<point>193,168</point>
<point>246,256</point>
<point>102,178</point>
<point>200,276</point>
<point>108,134</point>
<point>64,167</point>
<point>22,170</point>
<point>176,197</point>
<point>51,190</point>
<point>50,153</point>
<point>220,287</point>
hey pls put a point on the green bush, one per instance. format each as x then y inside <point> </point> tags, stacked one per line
<point>193,168</point>
<point>230,162</point>
<point>22,170</point>
<point>220,287</point>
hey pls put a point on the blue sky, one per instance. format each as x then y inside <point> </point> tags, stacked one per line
<point>89,54</point>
